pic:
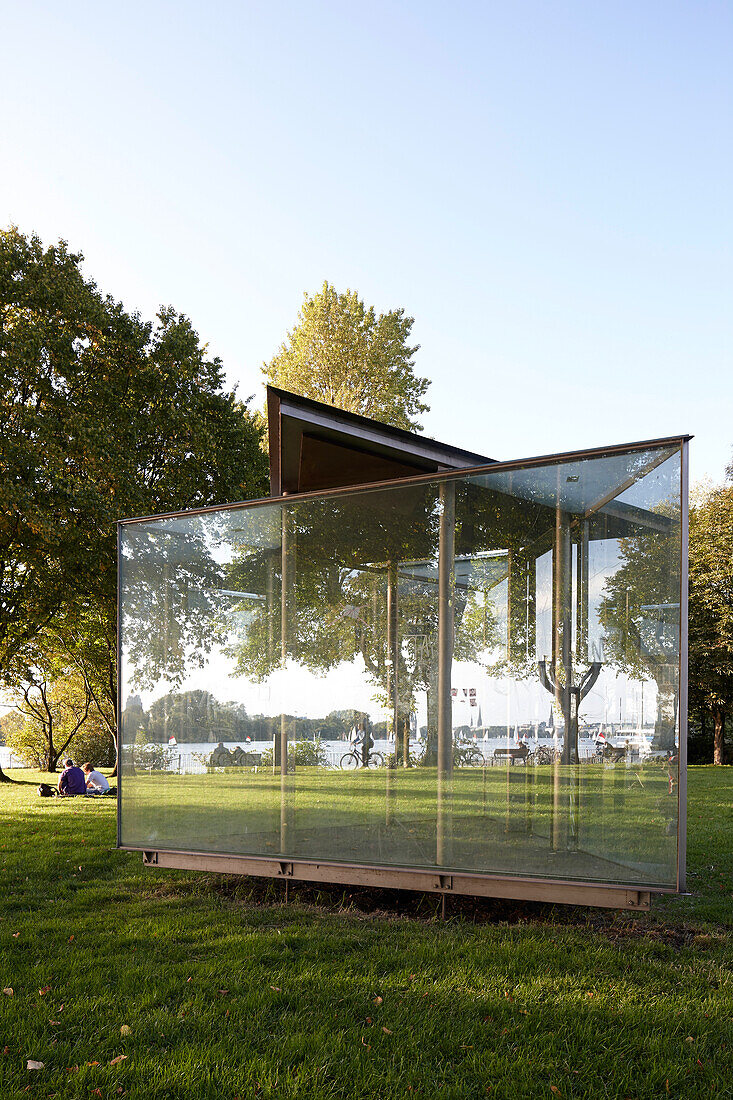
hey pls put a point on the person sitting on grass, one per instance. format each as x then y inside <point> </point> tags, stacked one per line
<point>71,780</point>
<point>96,782</point>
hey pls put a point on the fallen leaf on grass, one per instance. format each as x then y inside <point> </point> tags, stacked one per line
<point>71,938</point>
<point>125,1030</point>
<point>55,1023</point>
<point>378,1000</point>
<point>119,1058</point>
<point>276,988</point>
<point>46,989</point>
<point>31,1064</point>
<point>365,1043</point>
<point>386,1031</point>
<point>223,992</point>
<point>8,991</point>
<point>96,1092</point>
<point>15,935</point>
<point>555,1089</point>
<point>689,1039</point>
<point>92,1063</point>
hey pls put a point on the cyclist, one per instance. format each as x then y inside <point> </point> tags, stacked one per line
<point>362,740</point>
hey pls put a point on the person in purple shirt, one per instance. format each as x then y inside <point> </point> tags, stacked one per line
<point>71,780</point>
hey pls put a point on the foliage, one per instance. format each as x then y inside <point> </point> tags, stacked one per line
<point>304,754</point>
<point>346,355</point>
<point>711,609</point>
<point>56,718</point>
<point>102,416</point>
<point>639,611</point>
<point>149,756</point>
<point>196,716</point>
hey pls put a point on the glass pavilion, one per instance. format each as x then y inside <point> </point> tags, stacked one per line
<point>471,680</point>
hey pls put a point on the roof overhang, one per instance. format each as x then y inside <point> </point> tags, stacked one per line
<point>316,446</point>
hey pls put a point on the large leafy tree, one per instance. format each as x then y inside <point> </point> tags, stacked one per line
<point>345,552</point>
<point>345,354</point>
<point>53,713</point>
<point>711,609</point>
<point>639,612</point>
<point>102,416</point>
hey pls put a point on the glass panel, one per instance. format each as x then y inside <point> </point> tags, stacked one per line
<point>476,673</point>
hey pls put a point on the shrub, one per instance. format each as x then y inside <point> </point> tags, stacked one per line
<point>149,756</point>
<point>304,754</point>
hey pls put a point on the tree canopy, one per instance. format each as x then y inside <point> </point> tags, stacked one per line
<point>344,354</point>
<point>102,416</point>
<point>711,608</point>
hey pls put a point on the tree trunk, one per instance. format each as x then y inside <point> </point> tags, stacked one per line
<point>718,737</point>
<point>665,728</point>
<point>5,778</point>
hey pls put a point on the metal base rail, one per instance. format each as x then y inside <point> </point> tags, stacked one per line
<point>406,878</point>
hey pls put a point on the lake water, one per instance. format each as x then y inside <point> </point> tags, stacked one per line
<point>191,758</point>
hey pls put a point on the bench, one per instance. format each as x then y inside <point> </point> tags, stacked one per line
<point>512,753</point>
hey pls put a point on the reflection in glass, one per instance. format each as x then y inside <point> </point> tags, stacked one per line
<point>477,672</point>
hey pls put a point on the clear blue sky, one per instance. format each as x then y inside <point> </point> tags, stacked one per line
<point>546,187</point>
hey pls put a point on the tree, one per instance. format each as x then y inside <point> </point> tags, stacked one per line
<point>102,416</point>
<point>348,554</point>
<point>639,611</point>
<point>343,354</point>
<point>53,714</point>
<point>711,609</point>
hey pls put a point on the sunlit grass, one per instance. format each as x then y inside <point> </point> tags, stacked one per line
<point>228,992</point>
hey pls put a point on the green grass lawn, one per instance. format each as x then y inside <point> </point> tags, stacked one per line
<point>228,992</point>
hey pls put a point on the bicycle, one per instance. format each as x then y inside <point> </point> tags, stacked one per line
<point>467,756</point>
<point>353,759</point>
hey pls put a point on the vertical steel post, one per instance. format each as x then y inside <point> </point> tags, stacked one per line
<point>446,601</point>
<point>562,657</point>
<point>393,655</point>
<point>270,609</point>
<point>683,672</point>
<point>556,812</point>
<point>582,591</point>
<point>281,754</point>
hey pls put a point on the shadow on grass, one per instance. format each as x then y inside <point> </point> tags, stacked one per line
<point>406,905</point>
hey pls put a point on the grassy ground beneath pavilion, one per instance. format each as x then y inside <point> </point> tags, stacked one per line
<point>144,983</point>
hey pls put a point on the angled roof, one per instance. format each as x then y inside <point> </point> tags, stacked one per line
<point>316,446</point>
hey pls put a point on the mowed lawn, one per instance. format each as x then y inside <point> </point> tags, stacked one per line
<point>214,987</point>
